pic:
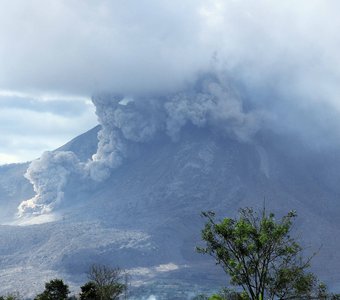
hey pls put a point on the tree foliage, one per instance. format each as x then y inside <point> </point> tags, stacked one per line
<point>11,296</point>
<point>106,282</point>
<point>55,289</point>
<point>89,291</point>
<point>259,255</point>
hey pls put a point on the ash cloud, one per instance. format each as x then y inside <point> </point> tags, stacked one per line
<point>285,54</point>
<point>84,47</point>
<point>216,106</point>
<point>277,67</point>
<point>49,175</point>
<point>127,122</point>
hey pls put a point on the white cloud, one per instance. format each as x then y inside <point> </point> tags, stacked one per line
<point>82,47</point>
<point>285,55</point>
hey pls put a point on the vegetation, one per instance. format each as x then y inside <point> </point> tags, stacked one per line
<point>11,296</point>
<point>55,289</point>
<point>259,255</point>
<point>224,294</point>
<point>105,283</point>
<point>89,291</point>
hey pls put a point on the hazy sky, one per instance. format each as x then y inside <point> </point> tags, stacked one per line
<point>30,124</point>
<point>55,54</point>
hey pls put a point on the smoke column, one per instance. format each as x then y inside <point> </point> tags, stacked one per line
<point>48,175</point>
<point>127,121</point>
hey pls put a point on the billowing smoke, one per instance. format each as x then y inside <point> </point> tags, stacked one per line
<point>49,174</point>
<point>283,57</point>
<point>214,105</point>
<point>123,120</point>
<point>128,121</point>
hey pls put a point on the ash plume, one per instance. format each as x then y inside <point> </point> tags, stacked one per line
<point>282,58</point>
<point>127,122</point>
<point>48,175</point>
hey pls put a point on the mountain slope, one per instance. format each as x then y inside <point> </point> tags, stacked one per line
<point>145,216</point>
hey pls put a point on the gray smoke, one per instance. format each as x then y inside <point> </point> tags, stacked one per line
<point>215,106</point>
<point>130,121</point>
<point>49,175</point>
<point>283,58</point>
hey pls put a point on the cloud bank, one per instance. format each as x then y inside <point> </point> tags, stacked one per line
<point>84,47</point>
<point>285,55</point>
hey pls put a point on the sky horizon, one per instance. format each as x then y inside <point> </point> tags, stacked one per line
<point>31,124</point>
<point>55,55</point>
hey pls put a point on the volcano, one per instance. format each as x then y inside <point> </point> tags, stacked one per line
<point>130,191</point>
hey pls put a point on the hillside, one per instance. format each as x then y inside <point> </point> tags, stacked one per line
<point>145,216</point>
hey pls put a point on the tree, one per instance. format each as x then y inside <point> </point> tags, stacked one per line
<point>109,283</point>
<point>224,294</point>
<point>89,291</point>
<point>11,296</point>
<point>259,255</point>
<point>55,289</point>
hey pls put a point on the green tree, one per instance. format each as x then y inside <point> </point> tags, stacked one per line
<point>228,294</point>
<point>224,294</point>
<point>89,291</point>
<point>55,289</point>
<point>259,255</point>
<point>110,283</point>
<point>11,296</point>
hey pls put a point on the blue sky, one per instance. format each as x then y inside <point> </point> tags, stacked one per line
<point>55,54</point>
<point>31,124</point>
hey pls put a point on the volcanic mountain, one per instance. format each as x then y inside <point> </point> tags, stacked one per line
<point>143,214</point>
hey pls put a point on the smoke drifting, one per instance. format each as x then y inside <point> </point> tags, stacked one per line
<point>215,106</point>
<point>274,64</point>
<point>49,174</point>
<point>127,121</point>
